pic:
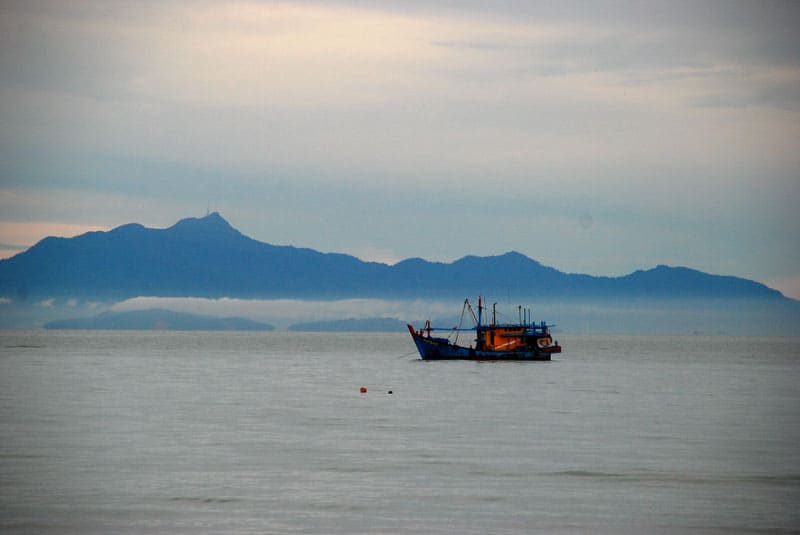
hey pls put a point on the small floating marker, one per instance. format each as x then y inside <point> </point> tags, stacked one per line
<point>389,392</point>
<point>363,389</point>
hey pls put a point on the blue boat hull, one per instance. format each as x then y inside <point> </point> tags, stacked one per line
<point>431,348</point>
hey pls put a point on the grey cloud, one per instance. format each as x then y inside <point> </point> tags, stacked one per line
<point>652,34</point>
<point>783,95</point>
<point>437,147</point>
<point>631,52</point>
<point>53,47</point>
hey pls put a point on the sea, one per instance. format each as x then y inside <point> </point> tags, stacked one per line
<point>270,433</point>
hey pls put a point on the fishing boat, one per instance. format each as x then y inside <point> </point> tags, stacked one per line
<point>525,340</point>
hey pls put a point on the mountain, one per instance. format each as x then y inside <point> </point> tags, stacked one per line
<point>160,320</point>
<point>196,257</point>
<point>207,257</point>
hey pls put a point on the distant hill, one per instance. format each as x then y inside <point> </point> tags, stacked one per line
<point>156,319</point>
<point>353,325</point>
<point>206,257</point>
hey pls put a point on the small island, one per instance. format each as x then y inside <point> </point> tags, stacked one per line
<point>352,325</point>
<point>158,320</point>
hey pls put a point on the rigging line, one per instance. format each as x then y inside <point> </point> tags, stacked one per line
<point>472,312</point>
<point>461,319</point>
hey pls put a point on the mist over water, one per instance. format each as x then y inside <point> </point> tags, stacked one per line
<point>268,433</point>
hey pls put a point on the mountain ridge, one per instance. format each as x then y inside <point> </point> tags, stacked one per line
<point>207,257</point>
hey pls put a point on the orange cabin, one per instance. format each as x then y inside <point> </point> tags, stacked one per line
<point>505,338</point>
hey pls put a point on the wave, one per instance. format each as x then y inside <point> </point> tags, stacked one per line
<point>202,499</point>
<point>653,476</point>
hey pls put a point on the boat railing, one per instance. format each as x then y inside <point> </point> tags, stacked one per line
<point>534,328</point>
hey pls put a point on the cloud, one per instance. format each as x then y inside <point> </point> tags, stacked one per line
<point>781,95</point>
<point>349,94</point>
<point>788,285</point>
<point>407,128</point>
<point>33,231</point>
<point>26,234</point>
<point>46,303</point>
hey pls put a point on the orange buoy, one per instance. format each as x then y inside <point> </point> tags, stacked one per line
<point>363,389</point>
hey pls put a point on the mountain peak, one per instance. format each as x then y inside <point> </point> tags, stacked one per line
<point>214,218</point>
<point>211,224</point>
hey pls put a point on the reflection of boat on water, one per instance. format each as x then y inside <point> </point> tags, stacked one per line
<point>497,341</point>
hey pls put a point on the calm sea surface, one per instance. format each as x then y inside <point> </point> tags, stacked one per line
<point>121,432</point>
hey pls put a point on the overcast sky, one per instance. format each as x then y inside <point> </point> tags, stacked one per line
<point>596,137</point>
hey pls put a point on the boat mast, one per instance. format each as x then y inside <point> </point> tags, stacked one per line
<point>478,332</point>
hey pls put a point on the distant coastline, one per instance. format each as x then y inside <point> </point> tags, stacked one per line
<point>352,325</point>
<point>158,320</point>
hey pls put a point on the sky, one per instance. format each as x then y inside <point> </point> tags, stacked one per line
<point>595,137</point>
